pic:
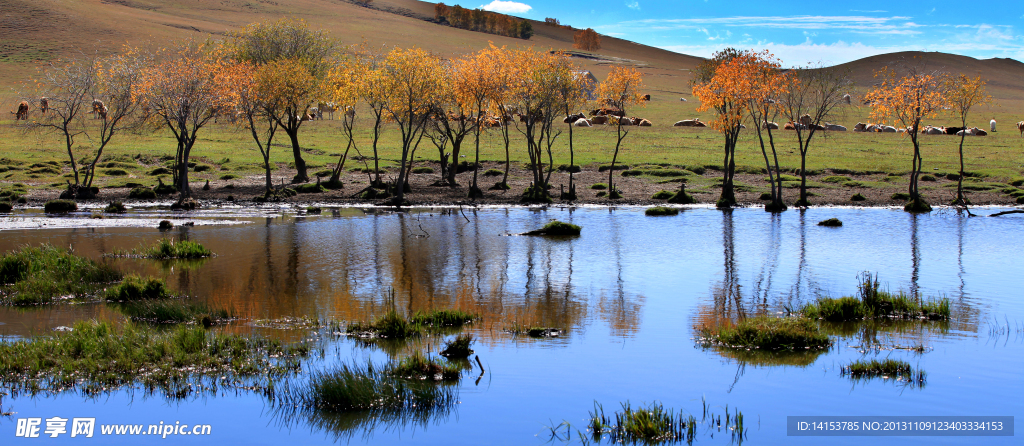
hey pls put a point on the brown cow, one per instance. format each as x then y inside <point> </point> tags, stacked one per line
<point>22,112</point>
<point>98,108</point>
<point>1020,126</point>
<point>806,120</point>
<point>646,97</point>
<point>643,122</point>
<point>44,105</point>
<point>789,126</point>
<point>599,120</point>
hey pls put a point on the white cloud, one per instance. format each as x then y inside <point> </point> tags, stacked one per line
<point>633,5</point>
<point>854,24</point>
<point>506,7</point>
<point>802,54</point>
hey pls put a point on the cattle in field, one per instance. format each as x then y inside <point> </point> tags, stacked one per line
<point>834,127</point>
<point>992,124</point>
<point>929,130</point>
<point>614,111</point>
<point>847,99</point>
<point>887,129</point>
<point>862,127</point>
<point>641,122</point>
<point>953,130</point>
<point>682,99</point>
<point>599,120</point>
<point>22,112</point>
<point>789,126</point>
<point>314,114</point>
<point>1020,127</point>
<point>689,123</point>
<point>646,97</point>
<point>97,107</point>
<point>770,125</point>
<point>806,120</point>
<point>44,105</point>
<point>581,123</point>
<point>974,131</point>
<point>327,108</point>
<point>571,119</point>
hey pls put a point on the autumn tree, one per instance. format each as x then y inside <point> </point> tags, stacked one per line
<point>252,90</point>
<point>453,111</point>
<point>764,83</point>
<point>503,74</point>
<point>344,86</point>
<point>813,98</point>
<point>904,98</point>
<point>182,90</point>
<point>288,39</point>
<point>412,79</point>
<point>715,87</point>
<point>962,94</point>
<point>477,85</point>
<point>370,74</point>
<point>533,94</point>
<point>573,92</point>
<point>624,87</point>
<point>118,83</point>
<point>586,40</point>
<point>69,85</point>
<point>441,11</point>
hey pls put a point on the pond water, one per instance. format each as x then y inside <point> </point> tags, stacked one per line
<point>628,293</point>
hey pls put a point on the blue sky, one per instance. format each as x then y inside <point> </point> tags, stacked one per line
<point>797,32</point>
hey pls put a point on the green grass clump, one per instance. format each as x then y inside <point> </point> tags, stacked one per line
<point>831,223</point>
<point>6,207</point>
<point>202,168</point>
<point>858,197</point>
<point>115,207</point>
<point>134,288</point>
<point>100,357</point>
<point>390,325</point>
<point>115,172</point>
<point>314,210</point>
<point>229,176</point>
<point>310,188</point>
<point>141,193</point>
<point>662,195</point>
<point>370,388</point>
<point>599,186</point>
<point>173,311</point>
<point>875,303</point>
<point>655,424</point>
<point>164,189</point>
<point>660,211</point>
<point>555,227</point>
<point>769,333</point>
<point>458,347</point>
<point>886,368</point>
<point>443,318</point>
<point>900,196</point>
<point>60,206</point>
<point>424,169</point>
<point>835,179</point>
<point>927,177</point>
<point>421,367</point>
<point>654,172</point>
<point>184,249</point>
<point>160,171</point>
<point>38,275</point>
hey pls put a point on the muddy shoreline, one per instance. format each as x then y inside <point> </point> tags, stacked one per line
<point>636,190</point>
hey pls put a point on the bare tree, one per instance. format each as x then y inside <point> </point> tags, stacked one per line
<point>68,85</point>
<point>812,99</point>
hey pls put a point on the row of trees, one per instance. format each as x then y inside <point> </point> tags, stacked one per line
<point>742,85</point>
<point>483,21</point>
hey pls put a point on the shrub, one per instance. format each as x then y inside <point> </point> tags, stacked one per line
<point>142,193</point>
<point>134,288</point>
<point>660,211</point>
<point>60,206</point>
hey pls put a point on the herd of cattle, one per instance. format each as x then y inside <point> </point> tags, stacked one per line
<point>607,114</point>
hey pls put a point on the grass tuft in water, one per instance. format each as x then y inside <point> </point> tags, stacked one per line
<point>38,275</point>
<point>97,357</point>
<point>368,388</point>
<point>660,211</point>
<point>390,325</point>
<point>458,347</point>
<point>173,311</point>
<point>443,318</point>
<point>423,368</point>
<point>831,223</point>
<point>663,195</point>
<point>886,369</point>
<point>184,249</point>
<point>558,228</point>
<point>769,333</point>
<point>115,207</point>
<point>655,424</point>
<point>134,288</point>
<point>872,302</point>
<point>60,206</point>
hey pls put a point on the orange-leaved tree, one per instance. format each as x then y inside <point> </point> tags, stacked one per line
<point>476,84</point>
<point>252,90</point>
<point>623,86</point>
<point>343,87</point>
<point>573,91</point>
<point>534,86</point>
<point>118,83</point>
<point>587,40</point>
<point>962,94</point>
<point>453,111</point>
<point>760,76</point>
<point>183,90</point>
<point>412,81</point>
<point>905,99</point>
<point>503,73</point>
<point>716,86</point>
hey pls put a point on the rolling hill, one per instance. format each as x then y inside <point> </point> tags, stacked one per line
<point>35,31</point>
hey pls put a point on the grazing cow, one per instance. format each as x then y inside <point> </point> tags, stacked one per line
<point>862,127</point>
<point>688,123</point>
<point>847,99</point>
<point>599,120</point>
<point>1020,126</point>
<point>44,105</point>
<point>102,113</point>
<point>682,99</point>
<point>834,127</point>
<point>22,112</point>
<point>97,107</point>
<point>646,97</point>
<point>992,124</point>
<point>326,107</point>
<point>573,118</point>
<point>806,120</point>
<point>582,122</point>
<point>314,113</point>
<point>770,125</point>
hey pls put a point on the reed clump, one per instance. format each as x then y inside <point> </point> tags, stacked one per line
<point>174,311</point>
<point>658,211</point>
<point>872,302</point>
<point>99,357</point>
<point>769,333</point>
<point>420,367</point>
<point>368,388</point>
<point>556,228</point>
<point>44,274</point>
<point>655,424</point>
<point>166,249</point>
<point>458,347</point>
<point>390,325</point>
<point>443,318</point>
<point>134,288</point>
<point>886,369</point>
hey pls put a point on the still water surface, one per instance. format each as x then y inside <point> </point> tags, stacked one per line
<point>628,293</point>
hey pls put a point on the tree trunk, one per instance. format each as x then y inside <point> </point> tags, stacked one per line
<point>301,175</point>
